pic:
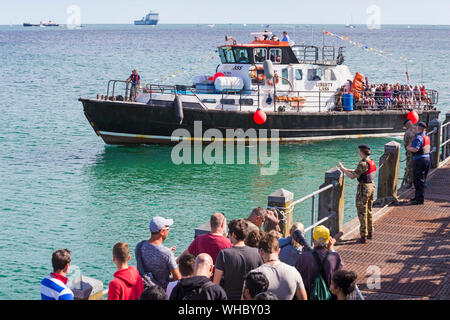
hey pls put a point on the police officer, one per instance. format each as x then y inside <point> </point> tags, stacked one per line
<point>407,139</point>
<point>420,148</point>
<point>365,173</point>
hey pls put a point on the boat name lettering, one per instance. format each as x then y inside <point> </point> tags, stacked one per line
<point>237,68</point>
<point>324,86</point>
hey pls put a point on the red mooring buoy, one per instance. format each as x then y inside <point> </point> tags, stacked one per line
<point>259,116</point>
<point>413,116</point>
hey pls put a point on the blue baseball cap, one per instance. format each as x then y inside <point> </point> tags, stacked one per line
<point>157,223</point>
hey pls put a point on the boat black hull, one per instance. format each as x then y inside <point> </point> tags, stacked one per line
<point>135,123</point>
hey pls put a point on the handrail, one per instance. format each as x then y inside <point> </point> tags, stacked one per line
<point>312,98</point>
<point>313,197</point>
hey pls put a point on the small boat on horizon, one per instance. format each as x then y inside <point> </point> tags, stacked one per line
<point>151,19</point>
<point>41,24</point>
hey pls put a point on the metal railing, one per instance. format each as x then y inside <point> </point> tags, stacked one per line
<point>287,100</point>
<point>445,139</point>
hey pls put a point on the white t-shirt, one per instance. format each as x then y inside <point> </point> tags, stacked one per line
<point>170,287</point>
<point>284,280</point>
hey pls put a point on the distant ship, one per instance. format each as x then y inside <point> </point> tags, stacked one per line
<point>45,24</point>
<point>150,19</point>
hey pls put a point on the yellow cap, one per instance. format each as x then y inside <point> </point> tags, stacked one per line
<point>321,234</point>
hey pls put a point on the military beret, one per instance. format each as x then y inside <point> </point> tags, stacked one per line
<point>422,124</point>
<point>364,146</point>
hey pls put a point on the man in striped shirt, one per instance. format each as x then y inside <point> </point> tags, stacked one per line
<point>54,287</point>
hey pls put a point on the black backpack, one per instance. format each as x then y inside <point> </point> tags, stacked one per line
<point>199,293</point>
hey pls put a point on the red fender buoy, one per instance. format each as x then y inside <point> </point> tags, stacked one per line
<point>218,74</point>
<point>259,116</point>
<point>413,116</point>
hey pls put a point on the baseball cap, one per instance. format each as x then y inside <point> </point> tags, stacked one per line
<point>422,124</point>
<point>157,223</point>
<point>321,234</point>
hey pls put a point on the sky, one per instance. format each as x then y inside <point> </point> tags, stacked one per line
<point>410,12</point>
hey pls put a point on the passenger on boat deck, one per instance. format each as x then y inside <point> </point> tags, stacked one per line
<point>274,38</point>
<point>285,37</point>
<point>266,36</point>
<point>135,80</point>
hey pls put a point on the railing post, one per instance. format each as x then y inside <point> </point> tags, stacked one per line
<point>282,200</point>
<point>435,142</point>
<point>388,174</point>
<point>445,137</point>
<point>332,200</point>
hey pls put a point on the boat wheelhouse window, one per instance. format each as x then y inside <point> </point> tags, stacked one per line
<point>284,75</point>
<point>227,101</point>
<point>314,74</point>
<point>226,55</point>
<point>298,74</point>
<point>241,55</point>
<point>329,75</point>
<point>275,55</point>
<point>259,55</point>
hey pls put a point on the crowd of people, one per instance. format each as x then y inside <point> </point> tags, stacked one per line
<point>244,259</point>
<point>386,96</point>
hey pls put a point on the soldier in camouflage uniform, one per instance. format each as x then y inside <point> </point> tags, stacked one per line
<point>407,139</point>
<point>365,173</point>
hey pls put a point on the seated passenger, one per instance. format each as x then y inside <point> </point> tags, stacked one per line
<point>259,56</point>
<point>242,58</point>
<point>274,38</point>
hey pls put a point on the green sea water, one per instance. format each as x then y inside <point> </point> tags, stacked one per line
<point>62,187</point>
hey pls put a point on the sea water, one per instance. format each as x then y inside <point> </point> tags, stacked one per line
<point>62,187</point>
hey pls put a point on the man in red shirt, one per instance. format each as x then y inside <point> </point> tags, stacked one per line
<point>211,243</point>
<point>127,283</point>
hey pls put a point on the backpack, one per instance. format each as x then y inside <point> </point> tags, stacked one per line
<point>319,289</point>
<point>200,293</point>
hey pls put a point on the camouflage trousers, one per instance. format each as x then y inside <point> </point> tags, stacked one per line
<point>409,174</point>
<point>364,200</point>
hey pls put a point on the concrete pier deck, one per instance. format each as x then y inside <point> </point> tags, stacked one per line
<point>410,248</point>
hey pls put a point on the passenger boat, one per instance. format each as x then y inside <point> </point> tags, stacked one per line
<point>150,19</point>
<point>45,24</point>
<point>296,87</point>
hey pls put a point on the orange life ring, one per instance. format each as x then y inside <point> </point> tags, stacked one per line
<point>277,79</point>
<point>257,72</point>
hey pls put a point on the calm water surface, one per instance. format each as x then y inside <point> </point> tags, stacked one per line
<point>62,187</point>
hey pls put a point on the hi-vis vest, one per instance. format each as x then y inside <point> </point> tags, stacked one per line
<point>369,176</point>
<point>426,146</point>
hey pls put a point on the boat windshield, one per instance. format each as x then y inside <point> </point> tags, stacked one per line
<point>233,55</point>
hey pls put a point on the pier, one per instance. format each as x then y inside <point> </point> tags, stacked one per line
<point>408,257</point>
<point>410,249</point>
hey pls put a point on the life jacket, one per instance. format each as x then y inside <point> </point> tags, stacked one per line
<point>135,78</point>
<point>369,176</point>
<point>426,146</point>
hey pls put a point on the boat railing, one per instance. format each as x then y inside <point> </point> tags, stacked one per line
<point>325,55</point>
<point>290,100</point>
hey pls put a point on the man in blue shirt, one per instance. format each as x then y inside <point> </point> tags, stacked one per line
<point>290,249</point>
<point>420,148</point>
<point>286,37</point>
